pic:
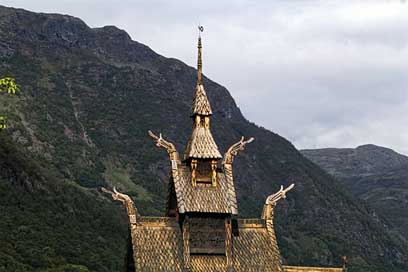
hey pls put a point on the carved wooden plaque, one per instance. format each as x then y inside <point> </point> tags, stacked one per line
<point>207,236</point>
<point>173,165</point>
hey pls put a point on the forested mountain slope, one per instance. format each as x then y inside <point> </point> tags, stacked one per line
<point>88,97</point>
<point>375,174</point>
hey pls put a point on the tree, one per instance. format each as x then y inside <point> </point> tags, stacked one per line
<point>8,85</point>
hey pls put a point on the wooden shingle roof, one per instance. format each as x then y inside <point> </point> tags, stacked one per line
<point>201,105</point>
<point>158,246</point>
<point>206,199</point>
<point>287,268</point>
<point>202,145</point>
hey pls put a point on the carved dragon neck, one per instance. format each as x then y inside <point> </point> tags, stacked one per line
<point>233,151</point>
<point>170,147</point>
<point>126,201</point>
<point>270,202</point>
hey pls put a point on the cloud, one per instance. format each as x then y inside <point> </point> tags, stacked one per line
<point>320,73</point>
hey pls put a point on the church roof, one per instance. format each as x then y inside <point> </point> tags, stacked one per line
<point>207,199</point>
<point>158,246</point>
<point>287,268</point>
<point>202,145</point>
<point>201,105</point>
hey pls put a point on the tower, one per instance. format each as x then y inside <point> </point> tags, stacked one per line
<point>201,189</point>
<point>202,153</point>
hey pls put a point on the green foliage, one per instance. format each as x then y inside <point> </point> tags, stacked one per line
<point>3,122</point>
<point>68,268</point>
<point>59,223</point>
<point>8,85</point>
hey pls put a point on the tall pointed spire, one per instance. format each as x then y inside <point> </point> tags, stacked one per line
<point>201,105</point>
<point>199,61</point>
<point>201,144</point>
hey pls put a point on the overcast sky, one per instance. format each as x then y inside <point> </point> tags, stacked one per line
<point>319,73</point>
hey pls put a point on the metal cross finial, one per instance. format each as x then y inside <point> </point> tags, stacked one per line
<point>200,28</point>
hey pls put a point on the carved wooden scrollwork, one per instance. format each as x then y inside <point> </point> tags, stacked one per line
<point>270,202</point>
<point>126,201</point>
<point>234,149</point>
<point>170,147</point>
<point>272,199</point>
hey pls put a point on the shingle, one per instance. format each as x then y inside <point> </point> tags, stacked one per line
<point>158,246</point>
<point>207,199</point>
<point>202,145</point>
<point>310,269</point>
<point>201,105</point>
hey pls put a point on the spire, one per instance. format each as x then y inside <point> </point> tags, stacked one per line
<point>201,105</point>
<point>199,59</point>
<point>201,144</point>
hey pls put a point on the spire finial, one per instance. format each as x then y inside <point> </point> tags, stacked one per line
<point>199,60</point>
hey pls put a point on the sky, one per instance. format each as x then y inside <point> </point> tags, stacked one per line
<point>319,73</point>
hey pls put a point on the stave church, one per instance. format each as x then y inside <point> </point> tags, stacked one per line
<point>201,230</point>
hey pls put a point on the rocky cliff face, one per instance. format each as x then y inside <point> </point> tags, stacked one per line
<point>88,97</point>
<point>375,174</point>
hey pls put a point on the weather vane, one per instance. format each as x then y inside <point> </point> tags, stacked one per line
<point>200,29</point>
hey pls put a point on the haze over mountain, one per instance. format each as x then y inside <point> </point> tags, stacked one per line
<point>375,174</point>
<point>88,97</point>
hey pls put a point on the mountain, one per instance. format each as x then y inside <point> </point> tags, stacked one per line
<point>47,223</point>
<point>375,174</point>
<point>365,160</point>
<point>88,97</point>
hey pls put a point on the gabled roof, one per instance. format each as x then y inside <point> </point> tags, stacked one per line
<point>205,199</point>
<point>202,145</point>
<point>158,246</point>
